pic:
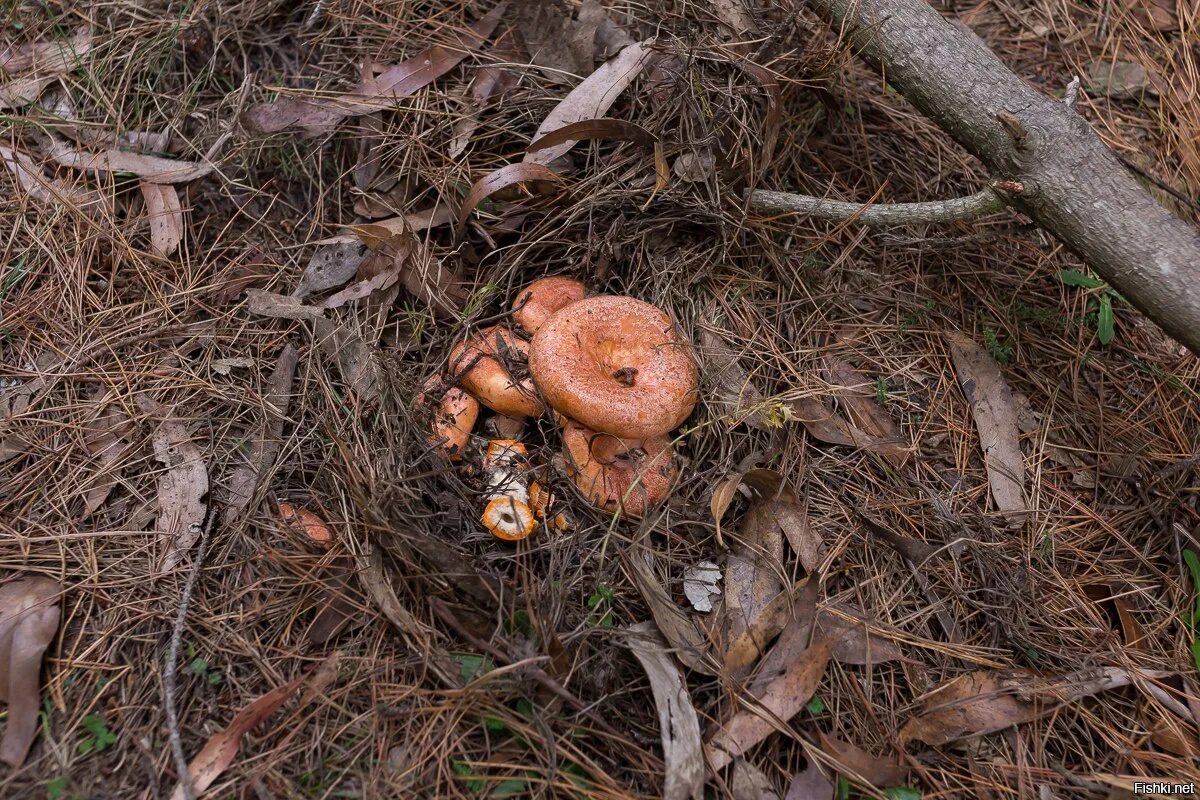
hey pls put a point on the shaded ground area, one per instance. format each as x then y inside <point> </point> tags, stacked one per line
<point>121,362</point>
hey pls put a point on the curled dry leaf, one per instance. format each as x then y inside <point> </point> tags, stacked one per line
<point>568,46</point>
<point>747,782</point>
<point>780,700</point>
<point>686,640</point>
<point>306,522</point>
<point>592,98</point>
<point>222,747</point>
<point>811,784</point>
<point>860,764</point>
<point>182,489</point>
<point>318,115</point>
<point>777,507</point>
<point>602,128</point>
<point>269,304</point>
<point>506,176</point>
<point>29,614</point>
<point>165,215</point>
<point>983,702</point>
<point>752,570</point>
<point>105,438</point>
<point>683,776</point>
<point>701,583</point>
<point>354,356</point>
<point>46,190</point>
<point>995,414</point>
<point>365,288</point>
<point>735,17</point>
<point>853,642</point>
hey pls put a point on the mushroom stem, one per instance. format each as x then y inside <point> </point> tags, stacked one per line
<point>507,514</point>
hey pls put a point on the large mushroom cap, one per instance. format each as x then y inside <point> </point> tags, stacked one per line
<point>482,365</point>
<point>543,298</point>
<point>633,479</point>
<point>617,365</point>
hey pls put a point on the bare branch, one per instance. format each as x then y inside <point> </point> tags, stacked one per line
<point>934,212</point>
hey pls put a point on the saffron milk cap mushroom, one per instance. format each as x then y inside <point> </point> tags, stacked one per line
<point>543,298</point>
<point>481,364</point>
<point>453,418</point>
<point>633,480</point>
<point>617,365</point>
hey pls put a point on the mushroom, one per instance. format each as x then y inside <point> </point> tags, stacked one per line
<point>453,419</point>
<point>617,365</point>
<point>481,365</point>
<point>543,298</point>
<point>618,474</point>
<point>507,515</point>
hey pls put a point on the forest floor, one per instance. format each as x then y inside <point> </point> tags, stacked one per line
<point>176,365</point>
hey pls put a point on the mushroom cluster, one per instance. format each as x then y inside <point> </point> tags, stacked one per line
<point>617,377</point>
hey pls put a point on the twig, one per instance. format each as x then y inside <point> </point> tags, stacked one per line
<point>955,209</point>
<point>169,689</point>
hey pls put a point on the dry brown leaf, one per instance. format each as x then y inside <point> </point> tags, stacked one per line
<point>269,304</point>
<point>429,280</point>
<point>733,393</point>
<point>591,99</point>
<point>995,415</point>
<point>744,651</point>
<point>49,60</point>
<point>354,356</point>
<point>567,46</point>
<point>318,115</point>
<point>222,747</point>
<point>777,508</point>
<point>688,643</point>
<point>29,614</point>
<point>338,609</point>
<point>695,167</point>
<point>362,289</point>
<point>30,178</point>
<point>247,476</point>
<point>867,416</point>
<point>781,700</point>
<point>601,128</point>
<point>331,266</point>
<point>983,702</point>
<point>683,776</point>
<point>747,782</point>
<point>822,423</point>
<point>875,770</point>
<point>306,522</point>
<point>151,169</point>
<point>1159,15</point>
<point>811,784</point>
<point>105,438</point>
<point>165,214</point>
<point>1121,80</point>
<point>735,17</point>
<point>853,641</point>
<point>752,570</point>
<point>794,638</point>
<point>182,488</point>
<point>506,176</point>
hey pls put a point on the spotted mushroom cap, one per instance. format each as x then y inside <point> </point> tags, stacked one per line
<point>617,365</point>
<point>541,299</point>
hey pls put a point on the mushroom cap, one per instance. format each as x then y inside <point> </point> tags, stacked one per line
<point>633,480</point>
<point>509,519</point>
<point>543,298</point>
<point>481,365</point>
<point>453,418</point>
<point>617,365</point>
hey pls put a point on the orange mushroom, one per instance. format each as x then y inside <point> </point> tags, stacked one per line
<point>306,522</point>
<point>617,365</point>
<point>508,514</point>
<point>545,297</point>
<point>453,419</point>
<point>482,365</point>
<point>619,474</point>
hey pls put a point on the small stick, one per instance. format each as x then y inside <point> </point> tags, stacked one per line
<point>955,209</point>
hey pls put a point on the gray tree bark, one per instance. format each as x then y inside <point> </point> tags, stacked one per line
<point>1073,186</point>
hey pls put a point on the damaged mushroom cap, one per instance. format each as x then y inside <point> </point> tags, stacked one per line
<point>633,480</point>
<point>481,364</point>
<point>617,365</point>
<point>453,418</point>
<point>545,297</point>
<point>509,519</point>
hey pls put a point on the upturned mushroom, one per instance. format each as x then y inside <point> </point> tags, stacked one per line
<point>616,474</point>
<point>481,365</point>
<point>617,365</point>
<point>507,514</point>
<point>545,297</point>
<point>453,418</point>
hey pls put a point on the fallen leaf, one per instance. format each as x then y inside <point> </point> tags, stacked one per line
<point>222,747</point>
<point>752,569</point>
<point>602,128</point>
<point>866,415</point>
<point>736,21</point>
<point>182,488</point>
<point>747,782</point>
<point>744,651</point>
<point>29,614</point>
<point>318,115</point>
<point>1120,80</point>
<point>151,169</point>
<point>701,583</point>
<point>331,266</point>
<point>683,776</point>
<point>567,46</point>
<point>853,643</point>
<point>733,393</point>
<point>995,417</point>
<point>355,357</point>
<point>431,282</point>
<point>811,784</point>
<point>506,176</point>
<point>337,609</point>
<point>591,98</point>
<point>306,522</point>
<point>799,611</point>
<point>695,167</point>
<point>105,439</point>
<point>854,761</point>
<point>361,289</point>
<point>778,508</point>
<point>166,216</point>
<point>46,190</point>
<point>822,423</point>
<point>982,702</point>
<point>49,60</point>
<point>249,475</point>
<point>781,700</point>
<point>689,644</point>
<point>269,304</point>
<point>225,366</point>
<point>1159,15</point>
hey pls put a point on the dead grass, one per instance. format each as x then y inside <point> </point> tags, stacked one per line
<point>1111,436</point>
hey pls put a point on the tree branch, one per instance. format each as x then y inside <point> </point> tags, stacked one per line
<point>955,209</point>
<point>1073,186</point>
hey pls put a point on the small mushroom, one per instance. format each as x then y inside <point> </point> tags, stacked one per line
<point>617,365</point>
<point>453,418</point>
<point>619,474</point>
<point>507,515</point>
<point>481,365</point>
<point>545,297</point>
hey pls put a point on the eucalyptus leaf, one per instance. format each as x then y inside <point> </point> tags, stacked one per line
<point>1073,277</point>
<point>1105,323</point>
